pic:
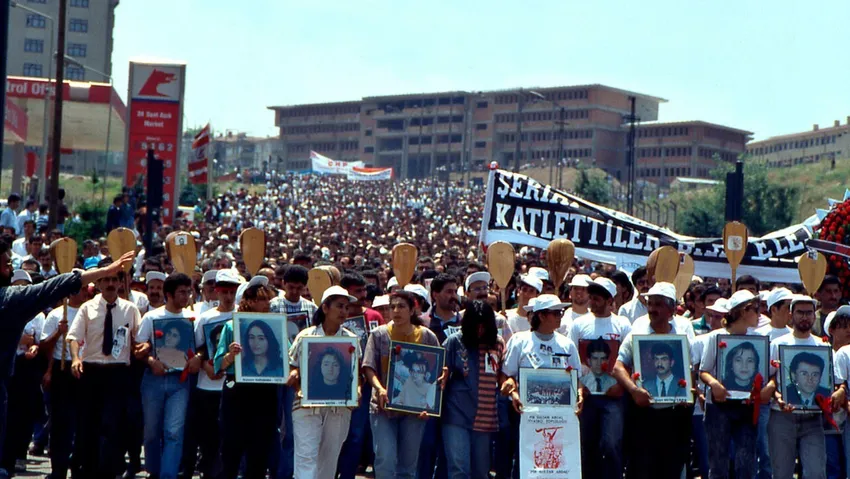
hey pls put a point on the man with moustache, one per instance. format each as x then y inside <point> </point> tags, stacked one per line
<point>209,296</point>
<point>477,287</point>
<point>580,302</point>
<point>637,306</point>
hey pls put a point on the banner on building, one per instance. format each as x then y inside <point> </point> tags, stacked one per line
<point>520,210</point>
<point>370,174</point>
<point>550,443</point>
<point>155,110</point>
<point>326,166</point>
<point>199,164</point>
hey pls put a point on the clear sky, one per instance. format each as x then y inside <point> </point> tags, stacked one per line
<point>771,67</point>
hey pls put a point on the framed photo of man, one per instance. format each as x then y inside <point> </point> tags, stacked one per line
<point>598,357</point>
<point>295,323</point>
<point>547,387</point>
<point>265,344</point>
<point>328,371</point>
<point>173,340</point>
<point>212,334</point>
<point>357,325</point>
<point>412,378</point>
<point>739,359</point>
<point>805,373</point>
<point>662,362</point>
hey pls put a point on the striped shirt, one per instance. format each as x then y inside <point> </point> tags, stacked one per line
<point>486,419</point>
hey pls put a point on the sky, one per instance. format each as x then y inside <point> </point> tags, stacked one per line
<point>769,67</point>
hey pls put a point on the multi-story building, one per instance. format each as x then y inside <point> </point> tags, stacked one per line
<point>242,152</point>
<point>811,146</point>
<point>421,134</point>
<point>88,38</point>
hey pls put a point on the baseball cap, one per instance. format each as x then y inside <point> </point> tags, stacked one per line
<point>258,280</point>
<point>392,282</point>
<point>719,306</point>
<point>602,285</point>
<point>154,276</point>
<point>777,295</point>
<point>662,289</point>
<point>532,281</point>
<point>539,272</point>
<point>475,278</point>
<point>802,298</point>
<point>418,290</point>
<point>581,281</point>
<point>210,275</point>
<point>546,302</point>
<point>21,275</point>
<point>90,263</point>
<point>380,301</point>
<point>223,276</point>
<point>842,311</point>
<point>740,298</point>
<point>336,291</point>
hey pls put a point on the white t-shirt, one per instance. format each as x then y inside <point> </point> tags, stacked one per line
<point>526,348</point>
<point>632,310</point>
<point>213,316</point>
<point>202,307</point>
<point>33,328</point>
<point>680,324</point>
<point>51,324</point>
<point>841,360</point>
<point>146,331</point>
<point>516,322</point>
<point>772,332</point>
<point>790,340</point>
<point>708,360</point>
<point>698,349</point>
<point>589,326</point>
<point>140,300</point>
<point>568,319</point>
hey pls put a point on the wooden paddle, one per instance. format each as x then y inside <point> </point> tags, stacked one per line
<point>252,241</point>
<point>64,253</point>
<point>180,247</point>
<point>812,267</point>
<point>405,256</point>
<point>501,261</point>
<point>685,274</point>
<point>318,280</point>
<point>334,273</point>
<point>735,239</point>
<point>120,241</point>
<point>559,258</point>
<point>663,264</point>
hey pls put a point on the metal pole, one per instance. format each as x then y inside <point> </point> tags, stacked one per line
<point>419,147</point>
<point>630,162</point>
<point>518,146</point>
<point>45,134</point>
<point>562,124</point>
<point>106,153</point>
<point>4,47</point>
<point>57,118</point>
<point>449,154</point>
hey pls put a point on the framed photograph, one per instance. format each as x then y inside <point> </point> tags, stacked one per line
<point>212,333</point>
<point>328,371</point>
<point>663,363</point>
<point>547,387</point>
<point>173,339</point>
<point>295,323</point>
<point>265,347</point>
<point>739,359</point>
<point>357,325</point>
<point>806,372</point>
<point>412,378</point>
<point>598,357</point>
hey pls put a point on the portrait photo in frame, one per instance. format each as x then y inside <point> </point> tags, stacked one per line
<point>804,373</point>
<point>295,323</point>
<point>663,364</point>
<point>547,387</point>
<point>412,378</point>
<point>265,346</point>
<point>739,359</point>
<point>598,357</point>
<point>357,325</point>
<point>212,334</point>
<point>173,339</point>
<point>328,369</point>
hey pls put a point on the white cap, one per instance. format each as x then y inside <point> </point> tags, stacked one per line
<point>532,281</point>
<point>740,298</point>
<point>223,276</point>
<point>777,295</point>
<point>544,302</point>
<point>256,280</point>
<point>392,282</point>
<point>802,298</point>
<point>381,301</point>
<point>581,281</point>
<point>763,295</point>
<point>337,291</point>
<point>662,289</point>
<point>209,275</point>
<point>154,276</point>
<point>842,311</point>
<point>21,275</point>
<point>604,283</point>
<point>719,306</point>
<point>475,278</point>
<point>418,290</point>
<point>540,273</point>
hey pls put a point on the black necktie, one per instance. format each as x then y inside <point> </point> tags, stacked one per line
<point>107,331</point>
<point>663,388</point>
<point>598,385</point>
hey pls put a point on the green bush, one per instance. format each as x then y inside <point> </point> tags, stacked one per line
<point>92,223</point>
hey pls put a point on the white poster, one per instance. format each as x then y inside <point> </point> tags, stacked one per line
<point>370,174</point>
<point>323,165</point>
<point>550,444</point>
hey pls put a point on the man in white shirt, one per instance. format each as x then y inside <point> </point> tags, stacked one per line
<point>19,246</point>
<point>529,288</point>
<point>637,306</point>
<point>26,214</point>
<point>580,302</point>
<point>779,310</point>
<point>9,217</point>
<point>209,298</point>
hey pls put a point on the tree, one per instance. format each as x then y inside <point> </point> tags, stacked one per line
<point>92,222</point>
<point>592,187</point>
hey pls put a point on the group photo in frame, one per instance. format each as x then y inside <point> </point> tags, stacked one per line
<point>547,387</point>
<point>212,335</point>
<point>295,323</point>
<point>412,378</point>
<point>598,357</point>
<point>739,359</point>
<point>804,373</point>
<point>328,369</point>
<point>663,366</point>
<point>265,347</point>
<point>173,339</point>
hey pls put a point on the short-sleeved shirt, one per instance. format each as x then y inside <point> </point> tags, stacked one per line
<point>295,350</point>
<point>567,320</point>
<point>773,333</point>
<point>88,329</point>
<point>33,328</point>
<point>527,348</point>
<point>842,365</point>
<point>632,310</point>
<point>51,324</point>
<point>697,350</point>
<point>682,324</point>
<point>590,327</point>
<point>789,340</point>
<point>516,322</point>
<point>213,316</point>
<point>469,400</point>
<point>708,355</point>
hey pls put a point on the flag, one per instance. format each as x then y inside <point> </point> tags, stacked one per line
<point>198,166</point>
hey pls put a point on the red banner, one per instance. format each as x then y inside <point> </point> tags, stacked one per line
<point>16,120</point>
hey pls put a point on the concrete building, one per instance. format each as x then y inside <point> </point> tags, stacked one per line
<point>421,134</point>
<point>88,38</point>
<point>817,144</point>
<point>242,152</point>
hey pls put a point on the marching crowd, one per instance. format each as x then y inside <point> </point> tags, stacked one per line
<point>84,383</point>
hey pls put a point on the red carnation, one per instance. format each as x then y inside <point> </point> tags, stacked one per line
<point>158,334</point>
<point>569,369</point>
<point>636,376</point>
<point>774,363</point>
<point>398,349</point>
<point>604,365</point>
<point>825,339</point>
<point>721,344</point>
<point>682,383</point>
<point>351,349</point>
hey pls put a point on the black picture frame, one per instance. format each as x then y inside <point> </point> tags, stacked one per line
<point>790,386</point>
<point>165,330</point>
<point>403,390</point>
<point>646,348</point>
<point>315,349</point>
<point>739,358</point>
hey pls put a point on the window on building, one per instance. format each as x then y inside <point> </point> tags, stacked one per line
<point>36,21</point>
<point>369,149</point>
<point>79,25</point>
<point>80,3</point>
<point>32,69</point>
<point>75,73</point>
<point>78,50</point>
<point>481,126</point>
<point>481,104</point>
<point>481,144</point>
<point>33,46</point>
<point>37,1</point>
<point>368,132</point>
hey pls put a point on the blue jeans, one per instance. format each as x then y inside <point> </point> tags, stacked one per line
<point>396,441</point>
<point>700,444</point>
<point>792,434</point>
<point>283,455</point>
<point>352,448</point>
<point>507,440</point>
<point>835,459</point>
<point>602,437</point>
<point>467,452</point>
<point>725,423</point>
<point>432,459</point>
<point>762,450</point>
<point>164,403</point>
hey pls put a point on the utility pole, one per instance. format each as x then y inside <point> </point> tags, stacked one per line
<point>518,146</point>
<point>630,159</point>
<point>57,117</point>
<point>4,47</point>
<point>449,154</point>
<point>562,124</point>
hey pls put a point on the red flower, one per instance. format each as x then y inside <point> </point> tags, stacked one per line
<point>191,318</point>
<point>774,363</point>
<point>569,369</point>
<point>158,334</point>
<point>682,383</point>
<point>351,349</point>
<point>604,365</point>
<point>721,344</point>
<point>398,349</point>
<point>825,339</point>
<point>210,362</point>
<point>636,376</point>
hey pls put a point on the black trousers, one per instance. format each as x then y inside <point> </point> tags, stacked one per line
<point>248,421</point>
<point>203,421</point>
<point>100,442</point>
<point>63,418</point>
<point>24,389</point>
<point>659,441</point>
<point>134,432</point>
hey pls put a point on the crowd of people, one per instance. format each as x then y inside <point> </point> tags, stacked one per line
<point>86,384</point>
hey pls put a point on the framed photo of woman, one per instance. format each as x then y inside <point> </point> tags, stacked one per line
<point>174,338</point>
<point>739,359</point>
<point>662,362</point>
<point>547,387</point>
<point>264,344</point>
<point>212,333</point>
<point>805,373</point>
<point>412,383</point>
<point>328,371</point>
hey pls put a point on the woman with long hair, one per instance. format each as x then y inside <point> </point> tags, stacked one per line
<point>249,412</point>
<point>263,356</point>
<point>726,419</point>
<point>320,431</point>
<point>396,436</point>
<point>473,364</point>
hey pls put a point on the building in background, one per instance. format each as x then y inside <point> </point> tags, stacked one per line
<point>815,145</point>
<point>420,135</point>
<point>239,152</point>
